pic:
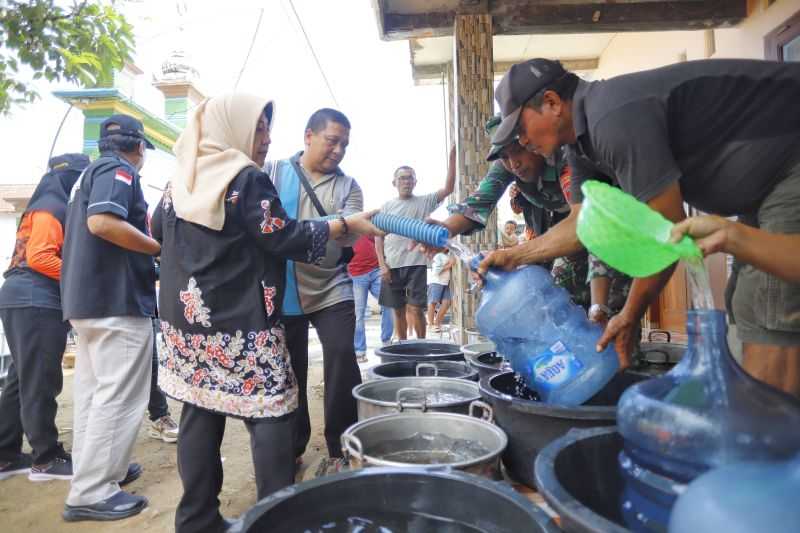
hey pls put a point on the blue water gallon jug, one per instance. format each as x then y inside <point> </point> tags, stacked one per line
<point>548,339</point>
<point>705,413</point>
<point>741,498</point>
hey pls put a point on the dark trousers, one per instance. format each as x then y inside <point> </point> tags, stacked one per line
<point>37,338</point>
<point>335,327</point>
<point>157,406</point>
<point>200,464</point>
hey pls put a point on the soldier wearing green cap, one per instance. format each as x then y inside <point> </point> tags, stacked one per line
<point>544,189</point>
<point>541,197</point>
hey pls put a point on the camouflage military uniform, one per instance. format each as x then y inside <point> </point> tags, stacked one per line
<point>571,274</point>
<point>619,287</point>
<point>543,204</point>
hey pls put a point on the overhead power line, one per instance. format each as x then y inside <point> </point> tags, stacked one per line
<point>314,54</point>
<point>58,132</point>
<point>250,49</point>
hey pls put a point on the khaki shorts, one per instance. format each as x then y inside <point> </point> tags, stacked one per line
<point>766,309</point>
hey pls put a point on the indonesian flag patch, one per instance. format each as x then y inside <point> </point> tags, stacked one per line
<point>124,177</point>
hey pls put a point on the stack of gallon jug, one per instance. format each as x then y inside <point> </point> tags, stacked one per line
<point>707,430</point>
<point>707,448</point>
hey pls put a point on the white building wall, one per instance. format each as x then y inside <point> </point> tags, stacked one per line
<point>747,39</point>
<point>632,52</point>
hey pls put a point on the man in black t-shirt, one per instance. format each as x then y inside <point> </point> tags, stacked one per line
<point>108,295</point>
<point>722,135</point>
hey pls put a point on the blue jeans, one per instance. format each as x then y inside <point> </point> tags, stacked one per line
<point>362,285</point>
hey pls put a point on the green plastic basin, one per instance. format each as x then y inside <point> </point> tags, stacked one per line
<point>627,234</point>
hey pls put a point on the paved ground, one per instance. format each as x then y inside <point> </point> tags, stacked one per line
<point>36,507</point>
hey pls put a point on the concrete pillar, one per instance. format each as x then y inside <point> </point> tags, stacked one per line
<point>451,100</point>
<point>178,84</point>
<point>180,97</point>
<point>472,91</point>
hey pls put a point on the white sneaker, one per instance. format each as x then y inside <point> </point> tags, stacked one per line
<point>165,429</point>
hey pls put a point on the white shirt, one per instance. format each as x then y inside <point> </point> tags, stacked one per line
<point>442,277</point>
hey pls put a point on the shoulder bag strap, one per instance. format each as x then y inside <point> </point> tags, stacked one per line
<point>309,190</point>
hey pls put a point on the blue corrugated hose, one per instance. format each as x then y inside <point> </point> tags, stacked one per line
<point>431,234</point>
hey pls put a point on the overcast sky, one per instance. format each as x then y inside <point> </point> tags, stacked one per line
<point>394,122</point>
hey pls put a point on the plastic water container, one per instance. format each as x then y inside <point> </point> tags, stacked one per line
<point>705,413</point>
<point>548,339</point>
<point>741,498</point>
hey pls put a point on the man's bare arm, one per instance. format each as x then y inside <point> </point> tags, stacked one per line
<point>457,224</point>
<point>382,259</point>
<point>117,231</point>
<point>558,241</point>
<point>768,252</point>
<point>450,182</point>
<point>621,329</point>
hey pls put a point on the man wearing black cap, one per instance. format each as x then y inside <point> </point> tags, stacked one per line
<point>30,308</point>
<point>108,294</point>
<point>722,135</point>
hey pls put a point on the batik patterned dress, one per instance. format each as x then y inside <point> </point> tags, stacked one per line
<point>220,301</point>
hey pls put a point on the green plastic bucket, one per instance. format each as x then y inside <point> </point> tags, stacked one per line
<point>627,234</point>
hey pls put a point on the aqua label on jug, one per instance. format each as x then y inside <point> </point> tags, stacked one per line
<point>556,367</point>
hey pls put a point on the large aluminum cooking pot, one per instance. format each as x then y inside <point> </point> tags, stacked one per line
<point>462,442</point>
<point>396,395</point>
<point>477,348</point>
<point>438,369</point>
<point>473,336</point>
<point>419,350</point>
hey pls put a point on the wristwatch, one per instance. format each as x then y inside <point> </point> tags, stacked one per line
<point>599,308</point>
<point>345,229</point>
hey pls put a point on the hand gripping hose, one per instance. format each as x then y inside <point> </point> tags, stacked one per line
<point>430,234</point>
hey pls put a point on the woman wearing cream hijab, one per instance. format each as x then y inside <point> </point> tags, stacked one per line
<point>225,239</point>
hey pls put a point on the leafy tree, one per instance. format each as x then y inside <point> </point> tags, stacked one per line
<point>84,43</point>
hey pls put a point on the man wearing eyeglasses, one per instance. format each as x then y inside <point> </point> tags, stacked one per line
<point>403,267</point>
